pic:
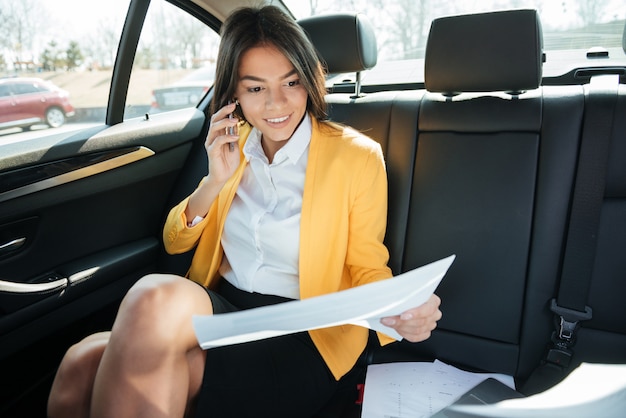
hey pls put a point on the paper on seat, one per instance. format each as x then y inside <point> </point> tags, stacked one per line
<point>417,389</point>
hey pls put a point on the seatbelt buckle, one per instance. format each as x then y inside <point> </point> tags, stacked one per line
<point>568,320</point>
<point>561,356</point>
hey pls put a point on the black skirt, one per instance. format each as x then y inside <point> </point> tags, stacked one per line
<point>277,377</point>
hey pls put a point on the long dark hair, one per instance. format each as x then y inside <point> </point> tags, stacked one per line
<point>250,27</point>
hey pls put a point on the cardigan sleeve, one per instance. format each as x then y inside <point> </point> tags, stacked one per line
<point>178,236</point>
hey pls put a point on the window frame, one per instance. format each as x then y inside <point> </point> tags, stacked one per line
<point>129,41</point>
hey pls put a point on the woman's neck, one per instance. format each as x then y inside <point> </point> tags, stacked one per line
<point>270,148</point>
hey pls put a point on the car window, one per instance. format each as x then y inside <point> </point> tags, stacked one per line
<point>70,44</point>
<point>174,65</point>
<point>571,28</point>
<point>26,88</point>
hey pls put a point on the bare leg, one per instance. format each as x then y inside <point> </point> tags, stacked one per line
<point>149,365</point>
<point>146,369</point>
<point>70,395</point>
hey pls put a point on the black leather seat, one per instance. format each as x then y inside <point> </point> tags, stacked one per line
<point>603,338</point>
<point>481,163</point>
<point>495,161</point>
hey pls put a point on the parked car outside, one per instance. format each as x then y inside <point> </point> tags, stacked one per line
<point>186,92</point>
<point>26,101</point>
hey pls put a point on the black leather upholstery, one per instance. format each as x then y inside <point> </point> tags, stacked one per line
<point>484,52</point>
<point>603,338</point>
<point>488,174</point>
<point>346,42</point>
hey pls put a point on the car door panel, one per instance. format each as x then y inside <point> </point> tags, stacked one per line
<point>81,221</point>
<point>91,284</point>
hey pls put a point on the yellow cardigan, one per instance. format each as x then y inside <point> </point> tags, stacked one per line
<point>343,221</point>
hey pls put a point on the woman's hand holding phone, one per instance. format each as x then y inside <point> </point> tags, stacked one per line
<point>221,139</point>
<point>222,143</point>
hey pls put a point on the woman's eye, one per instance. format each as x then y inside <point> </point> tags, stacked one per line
<point>293,83</point>
<point>254,89</point>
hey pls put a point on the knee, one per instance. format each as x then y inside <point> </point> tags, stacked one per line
<point>156,306</point>
<point>152,296</point>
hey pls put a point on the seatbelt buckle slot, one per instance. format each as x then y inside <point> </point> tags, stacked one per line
<point>560,356</point>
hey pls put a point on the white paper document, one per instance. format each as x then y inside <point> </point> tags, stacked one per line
<point>591,390</point>
<point>363,305</point>
<point>417,389</point>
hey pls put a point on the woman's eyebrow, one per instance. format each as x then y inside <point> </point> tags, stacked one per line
<point>259,79</point>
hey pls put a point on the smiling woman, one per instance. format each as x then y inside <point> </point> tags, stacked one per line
<point>474,150</point>
<point>266,187</point>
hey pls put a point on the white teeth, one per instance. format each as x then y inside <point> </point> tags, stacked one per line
<point>278,120</point>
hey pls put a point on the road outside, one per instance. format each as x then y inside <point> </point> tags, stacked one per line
<point>8,136</point>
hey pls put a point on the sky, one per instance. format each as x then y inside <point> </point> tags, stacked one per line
<point>555,14</point>
<point>69,12</point>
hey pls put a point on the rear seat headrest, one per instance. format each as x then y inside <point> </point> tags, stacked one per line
<point>498,51</point>
<point>345,41</point>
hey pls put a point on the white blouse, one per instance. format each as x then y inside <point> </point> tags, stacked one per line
<point>261,237</point>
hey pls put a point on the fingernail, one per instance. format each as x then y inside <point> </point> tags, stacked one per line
<point>388,321</point>
<point>406,316</point>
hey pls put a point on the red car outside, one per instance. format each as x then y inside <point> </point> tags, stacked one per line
<point>30,101</point>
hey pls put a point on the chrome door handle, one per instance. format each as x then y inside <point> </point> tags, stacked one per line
<point>13,287</point>
<point>12,245</point>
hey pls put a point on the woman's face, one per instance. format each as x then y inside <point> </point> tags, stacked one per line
<point>270,95</point>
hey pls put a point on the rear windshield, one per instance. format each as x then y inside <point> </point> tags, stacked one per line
<point>576,33</point>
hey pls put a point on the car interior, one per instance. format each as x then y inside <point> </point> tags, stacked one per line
<point>523,181</point>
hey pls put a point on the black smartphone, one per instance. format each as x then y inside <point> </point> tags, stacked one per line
<point>231,130</point>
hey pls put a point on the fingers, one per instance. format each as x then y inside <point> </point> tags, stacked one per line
<point>222,147</point>
<point>416,324</point>
<point>223,123</point>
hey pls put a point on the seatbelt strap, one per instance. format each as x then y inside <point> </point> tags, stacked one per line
<point>570,305</point>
